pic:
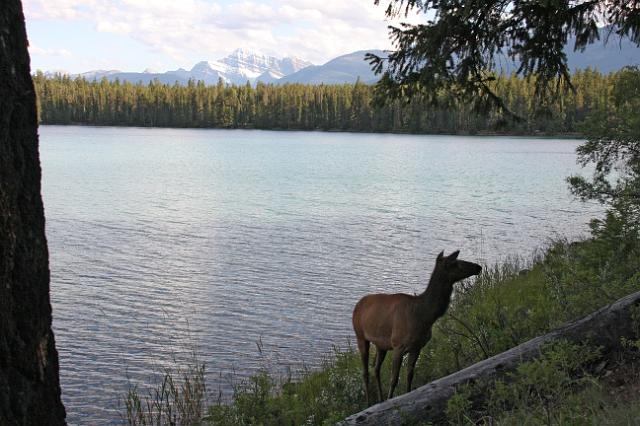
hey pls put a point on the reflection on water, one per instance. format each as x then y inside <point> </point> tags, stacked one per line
<point>163,241</point>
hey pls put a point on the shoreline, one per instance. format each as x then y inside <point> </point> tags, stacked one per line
<point>541,135</point>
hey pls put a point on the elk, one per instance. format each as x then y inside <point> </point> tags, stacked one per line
<point>402,322</point>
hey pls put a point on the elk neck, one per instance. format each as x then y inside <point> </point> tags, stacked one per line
<point>436,298</point>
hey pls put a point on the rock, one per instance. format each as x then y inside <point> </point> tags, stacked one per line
<point>29,383</point>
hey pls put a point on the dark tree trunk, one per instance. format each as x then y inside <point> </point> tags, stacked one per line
<point>429,402</point>
<point>29,384</point>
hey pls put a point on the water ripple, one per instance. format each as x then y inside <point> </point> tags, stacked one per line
<point>182,240</point>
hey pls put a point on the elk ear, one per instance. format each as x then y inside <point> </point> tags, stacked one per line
<point>454,255</point>
<point>440,256</point>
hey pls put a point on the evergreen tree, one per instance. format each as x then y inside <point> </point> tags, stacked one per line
<point>458,48</point>
<point>63,100</point>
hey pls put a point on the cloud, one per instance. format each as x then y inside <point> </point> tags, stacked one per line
<point>57,9</point>
<point>315,30</point>
<point>35,50</point>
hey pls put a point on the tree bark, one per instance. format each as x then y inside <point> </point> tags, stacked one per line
<point>603,328</point>
<point>29,383</point>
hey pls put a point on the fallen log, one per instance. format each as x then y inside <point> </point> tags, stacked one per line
<point>602,328</point>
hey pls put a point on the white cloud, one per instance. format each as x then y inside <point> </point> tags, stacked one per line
<point>316,30</point>
<point>57,9</point>
<point>35,50</point>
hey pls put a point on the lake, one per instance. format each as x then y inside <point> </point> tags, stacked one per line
<point>166,241</point>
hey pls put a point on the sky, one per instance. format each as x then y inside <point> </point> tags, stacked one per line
<point>133,35</point>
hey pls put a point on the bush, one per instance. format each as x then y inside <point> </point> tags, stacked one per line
<point>506,305</point>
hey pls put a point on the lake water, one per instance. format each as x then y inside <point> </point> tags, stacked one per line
<point>164,241</point>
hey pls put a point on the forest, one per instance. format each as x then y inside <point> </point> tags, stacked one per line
<point>347,107</point>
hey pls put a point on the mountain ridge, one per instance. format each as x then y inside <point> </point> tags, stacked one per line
<point>242,66</point>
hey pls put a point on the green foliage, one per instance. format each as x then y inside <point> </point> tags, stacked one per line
<point>582,277</point>
<point>459,405</point>
<point>632,344</point>
<point>318,398</point>
<point>538,392</point>
<point>555,389</point>
<point>505,306</point>
<point>623,414</point>
<point>546,382</point>
<point>453,48</point>
<point>613,147</point>
<point>62,100</point>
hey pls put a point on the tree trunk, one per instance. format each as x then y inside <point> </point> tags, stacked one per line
<point>429,402</point>
<point>29,384</point>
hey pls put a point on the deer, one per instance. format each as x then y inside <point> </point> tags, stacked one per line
<point>402,323</point>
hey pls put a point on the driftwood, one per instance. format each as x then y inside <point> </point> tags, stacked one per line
<point>603,328</point>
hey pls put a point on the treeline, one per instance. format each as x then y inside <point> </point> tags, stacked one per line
<point>347,107</point>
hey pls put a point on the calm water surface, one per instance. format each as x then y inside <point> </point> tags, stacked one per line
<point>164,241</point>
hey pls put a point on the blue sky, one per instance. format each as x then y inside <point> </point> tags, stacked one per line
<point>131,35</point>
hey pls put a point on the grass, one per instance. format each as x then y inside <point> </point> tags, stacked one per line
<point>506,305</point>
<point>178,399</point>
<point>322,396</point>
<point>570,384</point>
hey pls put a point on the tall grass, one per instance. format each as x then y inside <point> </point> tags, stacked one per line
<point>506,305</point>
<point>177,400</point>
<point>564,386</point>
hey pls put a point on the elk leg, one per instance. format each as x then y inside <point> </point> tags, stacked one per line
<point>395,370</point>
<point>411,363</point>
<point>363,347</point>
<point>380,355</point>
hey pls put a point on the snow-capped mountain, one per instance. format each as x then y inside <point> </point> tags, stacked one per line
<point>90,75</point>
<point>245,65</point>
<point>269,77</point>
<point>250,63</point>
<point>240,67</point>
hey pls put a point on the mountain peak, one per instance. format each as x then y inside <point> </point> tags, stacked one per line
<point>244,65</point>
<point>249,64</point>
<point>241,51</point>
<point>207,67</point>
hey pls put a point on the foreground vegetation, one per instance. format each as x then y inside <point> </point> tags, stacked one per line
<point>499,310</point>
<point>348,107</point>
<point>505,306</point>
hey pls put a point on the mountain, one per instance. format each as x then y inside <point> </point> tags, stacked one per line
<point>90,75</point>
<point>616,54</point>
<point>170,77</point>
<point>343,69</point>
<point>268,77</point>
<point>252,64</point>
<point>243,66</point>
<point>348,68</point>
<point>237,68</point>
